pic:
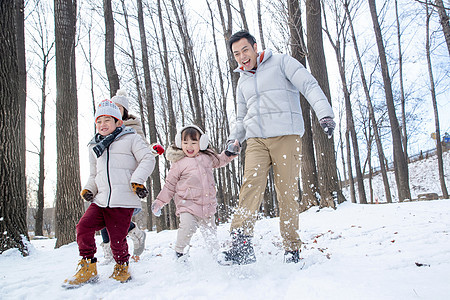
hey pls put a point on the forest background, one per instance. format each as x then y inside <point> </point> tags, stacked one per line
<point>190,79</point>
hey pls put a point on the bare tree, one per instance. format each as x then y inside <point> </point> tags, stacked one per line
<point>260,25</point>
<point>242,13</point>
<point>434,102</point>
<point>155,177</point>
<point>370,106</point>
<point>113,77</point>
<point>402,92</point>
<point>44,48</point>
<point>326,161</point>
<point>69,205</point>
<point>443,17</point>
<point>13,202</point>
<point>339,44</point>
<point>310,182</point>
<point>400,163</point>
<point>189,58</point>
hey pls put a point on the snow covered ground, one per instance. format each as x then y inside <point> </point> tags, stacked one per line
<point>384,251</point>
<point>381,251</point>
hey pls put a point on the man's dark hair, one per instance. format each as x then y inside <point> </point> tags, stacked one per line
<point>240,35</point>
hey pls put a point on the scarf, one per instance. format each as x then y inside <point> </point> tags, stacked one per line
<point>103,142</point>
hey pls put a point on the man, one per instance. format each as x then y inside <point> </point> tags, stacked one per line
<point>269,117</point>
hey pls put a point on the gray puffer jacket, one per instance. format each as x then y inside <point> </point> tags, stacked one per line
<point>128,159</point>
<point>268,100</point>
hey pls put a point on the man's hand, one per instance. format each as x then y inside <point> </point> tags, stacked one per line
<point>233,148</point>
<point>328,126</point>
<point>87,195</point>
<point>139,189</point>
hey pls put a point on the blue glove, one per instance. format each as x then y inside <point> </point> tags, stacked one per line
<point>328,126</point>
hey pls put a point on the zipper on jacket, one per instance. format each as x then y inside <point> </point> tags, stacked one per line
<point>107,175</point>
<point>258,101</point>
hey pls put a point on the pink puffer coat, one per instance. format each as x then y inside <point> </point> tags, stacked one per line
<point>190,182</point>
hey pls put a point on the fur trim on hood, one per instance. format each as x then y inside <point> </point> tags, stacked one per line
<point>174,154</point>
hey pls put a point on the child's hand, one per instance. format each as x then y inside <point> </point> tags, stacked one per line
<point>233,148</point>
<point>157,149</point>
<point>139,189</point>
<point>87,195</point>
<point>156,209</point>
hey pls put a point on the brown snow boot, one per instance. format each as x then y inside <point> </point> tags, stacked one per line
<point>121,273</point>
<point>87,273</point>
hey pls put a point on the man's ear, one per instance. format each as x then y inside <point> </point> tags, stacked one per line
<point>119,123</point>
<point>255,47</point>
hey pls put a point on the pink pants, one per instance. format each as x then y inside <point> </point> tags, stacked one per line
<point>116,220</point>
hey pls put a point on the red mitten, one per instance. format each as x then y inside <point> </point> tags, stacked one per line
<point>157,149</point>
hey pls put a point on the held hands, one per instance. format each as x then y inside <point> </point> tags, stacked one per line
<point>139,189</point>
<point>87,195</point>
<point>233,148</point>
<point>156,209</point>
<point>157,149</point>
<point>328,126</point>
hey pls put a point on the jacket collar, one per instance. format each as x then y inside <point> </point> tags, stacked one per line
<point>126,130</point>
<point>262,58</point>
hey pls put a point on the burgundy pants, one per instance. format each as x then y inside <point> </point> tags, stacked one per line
<point>116,220</point>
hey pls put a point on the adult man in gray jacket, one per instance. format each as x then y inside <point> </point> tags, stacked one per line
<point>269,117</point>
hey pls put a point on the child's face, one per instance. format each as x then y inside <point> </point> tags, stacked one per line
<point>190,147</point>
<point>106,125</point>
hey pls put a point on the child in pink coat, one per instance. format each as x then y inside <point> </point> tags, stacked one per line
<point>190,182</point>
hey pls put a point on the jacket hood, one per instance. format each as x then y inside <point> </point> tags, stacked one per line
<point>174,154</point>
<point>262,58</point>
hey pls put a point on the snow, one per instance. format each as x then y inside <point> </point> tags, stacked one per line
<point>354,252</point>
<point>374,251</point>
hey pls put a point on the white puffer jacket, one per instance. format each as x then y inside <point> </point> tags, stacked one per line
<point>268,100</point>
<point>128,159</point>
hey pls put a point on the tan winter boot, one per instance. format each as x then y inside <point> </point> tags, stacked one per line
<point>86,274</point>
<point>138,238</point>
<point>121,273</point>
<point>107,253</point>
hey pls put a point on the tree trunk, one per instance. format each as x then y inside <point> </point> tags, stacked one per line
<point>339,49</point>
<point>242,13</point>
<point>402,92</point>
<point>227,32</point>
<point>371,110</point>
<point>156,180</point>
<point>260,25</point>
<point>444,19</point>
<point>310,186</point>
<point>351,180</point>
<point>435,109</point>
<point>326,161</point>
<point>189,60</point>
<point>171,114</point>
<point>13,202</point>
<point>113,77</point>
<point>69,205</point>
<point>399,157</point>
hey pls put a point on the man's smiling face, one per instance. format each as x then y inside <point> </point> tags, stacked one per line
<point>245,54</point>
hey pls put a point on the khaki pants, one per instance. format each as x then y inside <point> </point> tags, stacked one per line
<point>283,153</point>
<point>188,226</point>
